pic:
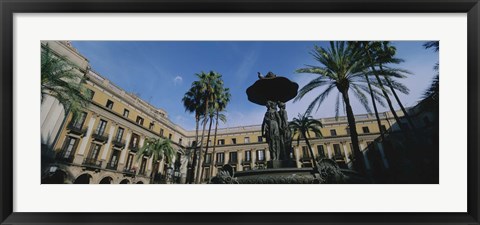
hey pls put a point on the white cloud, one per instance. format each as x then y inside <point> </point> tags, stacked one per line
<point>177,80</point>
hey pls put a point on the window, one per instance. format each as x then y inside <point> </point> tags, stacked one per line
<point>248,156</point>
<point>247,140</point>
<point>139,120</point>
<point>233,157</point>
<point>220,157</point>
<point>126,113</point>
<point>94,151</point>
<point>143,166</point>
<point>305,152</point>
<point>365,130</point>
<point>260,139</point>
<point>221,142</point>
<point>151,126</point>
<point>114,160</point>
<point>101,127</point>
<point>161,132</point>
<point>69,147</point>
<point>208,158</point>
<point>128,166</point>
<point>348,130</point>
<point>207,174</point>
<point>337,151</point>
<point>119,135</point>
<point>320,151</point>
<point>384,128</point>
<point>260,155</point>
<point>180,141</point>
<point>234,141</point>
<point>333,132</point>
<point>109,104</point>
<point>134,141</point>
<point>91,94</point>
<point>79,120</point>
<point>209,143</point>
<point>170,136</point>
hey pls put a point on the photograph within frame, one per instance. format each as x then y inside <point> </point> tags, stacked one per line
<point>109,135</point>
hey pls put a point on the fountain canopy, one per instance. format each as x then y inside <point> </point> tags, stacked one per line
<point>272,88</point>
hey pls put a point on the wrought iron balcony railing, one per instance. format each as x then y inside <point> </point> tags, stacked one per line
<point>76,130</point>
<point>61,157</point>
<point>246,161</point>
<point>93,163</point>
<point>111,166</point>
<point>100,137</point>
<point>221,163</point>
<point>129,172</point>
<point>118,143</point>
<point>134,148</point>
<point>232,161</point>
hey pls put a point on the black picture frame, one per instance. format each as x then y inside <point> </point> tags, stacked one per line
<point>9,7</point>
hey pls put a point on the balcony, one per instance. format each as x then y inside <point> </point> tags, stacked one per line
<point>233,161</point>
<point>134,148</point>
<point>221,163</point>
<point>246,162</point>
<point>260,161</point>
<point>100,137</point>
<point>111,167</point>
<point>306,159</point>
<point>206,164</point>
<point>76,130</point>
<point>118,143</point>
<point>60,157</point>
<point>92,163</point>
<point>129,172</point>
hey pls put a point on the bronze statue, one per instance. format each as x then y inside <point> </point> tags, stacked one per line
<point>285,133</point>
<point>271,130</point>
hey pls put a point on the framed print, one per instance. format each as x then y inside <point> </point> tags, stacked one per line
<point>236,112</point>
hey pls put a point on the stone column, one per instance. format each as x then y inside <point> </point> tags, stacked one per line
<point>106,150</point>
<point>239,160</point>
<point>345,151</point>
<point>121,162</point>
<point>329,150</point>
<point>382,154</point>
<point>297,156</point>
<point>364,152</point>
<point>83,145</point>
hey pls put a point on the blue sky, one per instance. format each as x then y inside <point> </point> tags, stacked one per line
<point>160,72</point>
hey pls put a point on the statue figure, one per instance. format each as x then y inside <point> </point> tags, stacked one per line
<point>269,75</point>
<point>285,132</point>
<point>271,130</point>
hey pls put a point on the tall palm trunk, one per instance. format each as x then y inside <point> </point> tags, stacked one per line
<point>214,142</point>
<point>375,109</point>
<point>389,83</point>
<point>358,161</point>
<point>201,146</point>
<point>314,165</point>
<point>193,163</point>
<point>206,148</point>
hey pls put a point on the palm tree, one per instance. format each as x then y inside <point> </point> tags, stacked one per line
<point>208,84</point>
<point>385,55</point>
<point>433,91</point>
<point>342,69</point>
<point>221,103</point>
<point>301,127</point>
<point>193,103</point>
<point>370,50</point>
<point>157,149</point>
<point>60,80</point>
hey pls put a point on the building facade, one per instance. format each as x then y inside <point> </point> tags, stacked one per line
<point>100,145</point>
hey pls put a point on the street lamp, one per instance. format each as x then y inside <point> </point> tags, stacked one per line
<point>169,173</point>
<point>176,175</point>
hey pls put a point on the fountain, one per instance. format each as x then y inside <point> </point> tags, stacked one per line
<point>274,91</point>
